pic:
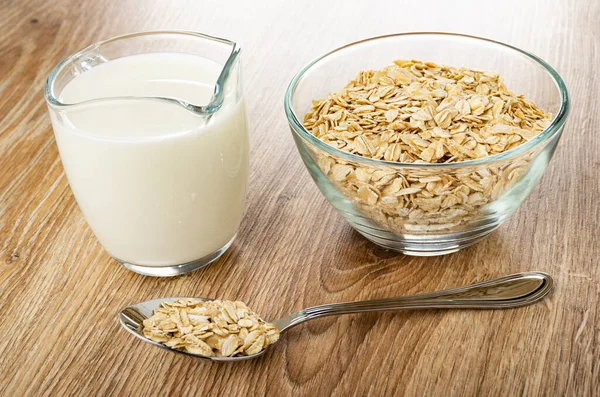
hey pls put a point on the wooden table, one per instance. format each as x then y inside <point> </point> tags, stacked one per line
<point>60,292</point>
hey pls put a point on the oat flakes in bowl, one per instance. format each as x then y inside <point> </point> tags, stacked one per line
<point>422,158</point>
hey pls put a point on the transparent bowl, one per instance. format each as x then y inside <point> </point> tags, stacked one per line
<point>485,192</point>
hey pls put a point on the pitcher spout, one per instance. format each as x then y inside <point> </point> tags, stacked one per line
<point>228,85</point>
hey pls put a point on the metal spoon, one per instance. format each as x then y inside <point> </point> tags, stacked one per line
<point>505,292</point>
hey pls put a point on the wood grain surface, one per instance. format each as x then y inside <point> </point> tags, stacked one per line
<point>60,292</point>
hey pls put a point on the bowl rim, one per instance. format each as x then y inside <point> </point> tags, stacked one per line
<point>555,125</point>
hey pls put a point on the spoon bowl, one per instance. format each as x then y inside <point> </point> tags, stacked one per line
<point>506,292</point>
<point>132,317</point>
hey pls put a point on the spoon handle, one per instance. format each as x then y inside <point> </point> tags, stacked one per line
<point>505,292</point>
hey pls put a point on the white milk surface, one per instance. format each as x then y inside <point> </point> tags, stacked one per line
<point>157,186</point>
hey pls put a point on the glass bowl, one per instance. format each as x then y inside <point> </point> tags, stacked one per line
<point>460,203</point>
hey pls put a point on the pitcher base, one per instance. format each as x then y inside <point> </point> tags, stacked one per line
<point>176,270</point>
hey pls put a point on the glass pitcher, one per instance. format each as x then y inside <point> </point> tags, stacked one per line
<point>152,133</point>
